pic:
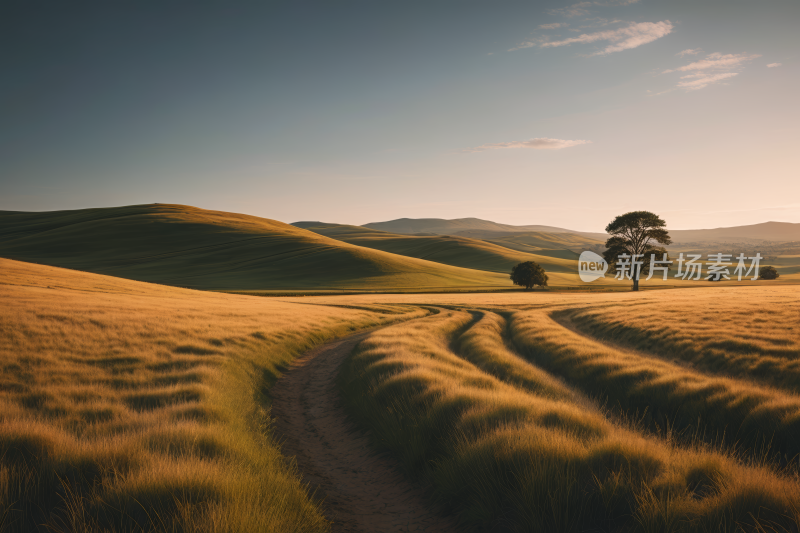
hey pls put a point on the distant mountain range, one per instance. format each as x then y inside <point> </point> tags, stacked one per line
<point>458,226</point>
<point>478,228</point>
<point>441,226</point>
<point>766,231</point>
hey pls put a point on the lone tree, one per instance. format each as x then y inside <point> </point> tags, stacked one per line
<point>636,233</point>
<point>528,274</point>
<point>768,272</point>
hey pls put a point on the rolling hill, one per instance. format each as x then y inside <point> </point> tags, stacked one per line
<point>440,226</point>
<point>191,247</point>
<point>452,250</point>
<point>543,243</point>
<point>767,231</point>
<point>485,229</point>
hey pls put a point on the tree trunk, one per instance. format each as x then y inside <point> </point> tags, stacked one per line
<point>636,278</point>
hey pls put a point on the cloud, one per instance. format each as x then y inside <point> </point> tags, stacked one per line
<point>713,69</point>
<point>716,61</point>
<point>699,81</point>
<point>599,22</point>
<point>575,10</point>
<point>773,65</point>
<point>540,143</point>
<point>631,36</point>
<point>689,52</point>
<point>582,8</point>
<point>553,25</point>
<point>529,44</point>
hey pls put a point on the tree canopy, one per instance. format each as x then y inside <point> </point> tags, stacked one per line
<point>769,272</point>
<point>636,233</point>
<point>529,274</point>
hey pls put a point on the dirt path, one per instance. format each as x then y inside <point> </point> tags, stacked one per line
<point>362,492</point>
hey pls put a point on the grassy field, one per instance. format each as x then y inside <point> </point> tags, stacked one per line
<point>504,445</point>
<point>517,421</point>
<point>756,340</point>
<point>195,248</point>
<point>666,395</point>
<point>126,406</point>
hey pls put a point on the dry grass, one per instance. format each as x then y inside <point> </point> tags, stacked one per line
<point>126,406</point>
<point>506,446</point>
<point>479,345</point>
<point>731,295</point>
<point>669,396</point>
<point>754,339</point>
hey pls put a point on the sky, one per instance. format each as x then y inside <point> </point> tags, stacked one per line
<point>560,113</point>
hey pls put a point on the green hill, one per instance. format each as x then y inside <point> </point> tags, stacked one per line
<point>192,247</point>
<point>566,245</point>
<point>451,250</point>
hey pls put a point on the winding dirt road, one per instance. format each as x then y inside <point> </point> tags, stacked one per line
<point>361,491</point>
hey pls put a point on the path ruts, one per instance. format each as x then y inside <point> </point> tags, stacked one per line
<point>361,491</point>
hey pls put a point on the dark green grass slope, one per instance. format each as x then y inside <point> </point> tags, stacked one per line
<point>450,250</point>
<point>192,247</point>
<point>566,245</point>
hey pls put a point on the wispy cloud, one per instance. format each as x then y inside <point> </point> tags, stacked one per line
<point>608,3</point>
<point>773,65</point>
<point>553,25</point>
<point>575,10</point>
<point>631,36</point>
<point>582,8</point>
<point>698,81</point>
<point>529,44</point>
<point>596,22</point>
<point>540,143</point>
<point>713,69</point>
<point>716,61</point>
<point>689,52</point>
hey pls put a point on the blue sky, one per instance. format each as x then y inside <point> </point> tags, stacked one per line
<point>558,113</point>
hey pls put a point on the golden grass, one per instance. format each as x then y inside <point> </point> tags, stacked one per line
<point>506,446</point>
<point>695,297</point>
<point>479,346</point>
<point>732,410</point>
<point>132,407</point>
<point>754,339</point>
<point>126,406</point>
